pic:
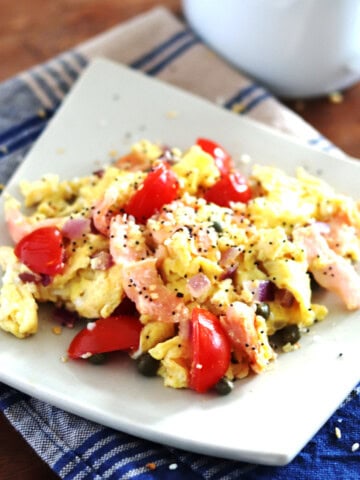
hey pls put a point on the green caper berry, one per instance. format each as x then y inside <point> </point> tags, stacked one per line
<point>289,334</point>
<point>97,358</point>
<point>263,310</point>
<point>224,386</point>
<point>217,227</point>
<point>147,365</point>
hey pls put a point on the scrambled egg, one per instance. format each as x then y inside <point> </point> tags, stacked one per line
<point>245,253</point>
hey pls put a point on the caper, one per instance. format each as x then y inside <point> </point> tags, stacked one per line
<point>263,310</point>
<point>147,365</point>
<point>288,334</point>
<point>97,358</point>
<point>224,386</point>
<point>217,227</point>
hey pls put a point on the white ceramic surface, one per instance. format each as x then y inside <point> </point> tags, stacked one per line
<point>297,48</point>
<point>266,419</point>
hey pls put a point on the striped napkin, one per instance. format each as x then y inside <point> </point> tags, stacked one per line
<point>161,46</point>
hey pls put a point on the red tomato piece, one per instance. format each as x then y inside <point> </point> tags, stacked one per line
<point>222,159</point>
<point>211,350</point>
<point>106,335</point>
<point>230,188</point>
<point>159,188</point>
<point>42,251</point>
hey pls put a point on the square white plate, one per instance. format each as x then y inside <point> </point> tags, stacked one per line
<point>267,419</point>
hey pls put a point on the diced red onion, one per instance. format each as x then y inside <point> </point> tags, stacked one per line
<point>198,285</point>
<point>229,272</point>
<point>65,318</point>
<point>285,297</point>
<point>45,280</point>
<point>76,227</point>
<point>167,156</point>
<point>101,261</point>
<point>99,173</point>
<point>28,277</point>
<point>265,291</point>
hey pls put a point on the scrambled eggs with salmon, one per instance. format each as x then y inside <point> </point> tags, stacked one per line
<point>219,269</point>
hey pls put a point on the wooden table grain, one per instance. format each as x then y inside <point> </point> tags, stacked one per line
<point>34,31</point>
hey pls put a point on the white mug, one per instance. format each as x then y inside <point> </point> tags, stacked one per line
<point>296,48</point>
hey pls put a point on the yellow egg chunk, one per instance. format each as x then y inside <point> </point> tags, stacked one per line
<point>18,308</point>
<point>173,354</point>
<point>197,169</point>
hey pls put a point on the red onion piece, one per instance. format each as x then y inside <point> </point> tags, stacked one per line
<point>74,228</point>
<point>99,173</point>
<point>229,272</point>
<point>265,291</point>
<point>27,277</point>
<point>45,280</point>
<point>65,318</point>
<point>198,285</point>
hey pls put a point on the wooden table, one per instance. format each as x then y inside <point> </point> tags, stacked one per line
<point>32,32</point>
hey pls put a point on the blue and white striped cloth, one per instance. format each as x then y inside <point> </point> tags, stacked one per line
<point>74,448</point>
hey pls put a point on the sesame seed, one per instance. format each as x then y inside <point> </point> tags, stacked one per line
<point>337,432</point>
<point>57,330</point>
<point>355,446</point>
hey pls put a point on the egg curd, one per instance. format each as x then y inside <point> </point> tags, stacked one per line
<point>253,265</point>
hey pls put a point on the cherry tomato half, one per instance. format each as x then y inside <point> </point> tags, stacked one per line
<point>230,188</point>
<point>222,159</point>
<point>106,335</point>
<point>42,251</point>
<point>160,187</point>
<point>211,350</point>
